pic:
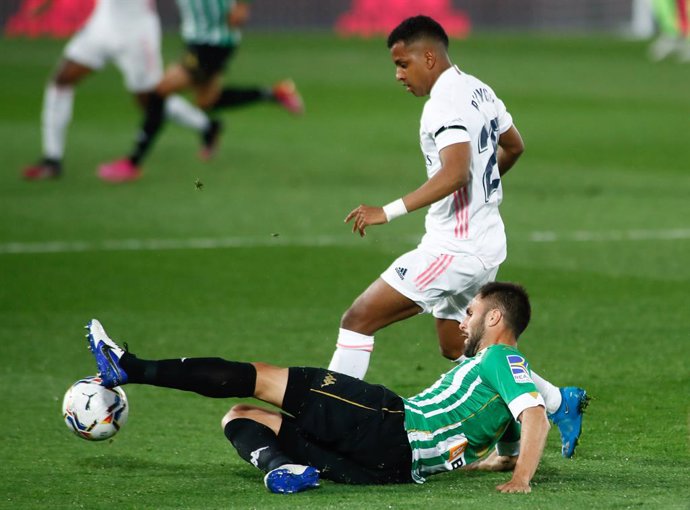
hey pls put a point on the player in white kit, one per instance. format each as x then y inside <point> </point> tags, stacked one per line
<point>468,142</point>
<point>127,33</point>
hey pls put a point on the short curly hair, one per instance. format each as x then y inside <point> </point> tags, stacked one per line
<point>513,302</point>
<point>415,28</point>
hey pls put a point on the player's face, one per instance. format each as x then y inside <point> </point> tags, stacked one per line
<point>411,67</point>
<point>473,326</point>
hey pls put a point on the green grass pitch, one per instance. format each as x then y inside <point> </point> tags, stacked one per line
<point>598,220</point>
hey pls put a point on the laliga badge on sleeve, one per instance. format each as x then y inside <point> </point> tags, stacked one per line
<point>518,367</point>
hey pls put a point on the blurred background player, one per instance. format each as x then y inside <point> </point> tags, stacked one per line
<point>128,33</point>
<point>211,32</point>
<point>469,142</point>
<point>671,17</point>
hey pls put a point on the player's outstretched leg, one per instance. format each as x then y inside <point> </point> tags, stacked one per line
<point>291,478</point>
<point>209,140</point>
<point>568,418</point>
<point>107,354</point>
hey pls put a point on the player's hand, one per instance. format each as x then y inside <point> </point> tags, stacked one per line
<point>514,486</point>
<point>239,15</point>
<point>365,215</point>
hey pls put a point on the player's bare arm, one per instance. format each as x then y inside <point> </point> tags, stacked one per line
<point>535,427</point>
<point>494,462</point>
<point>510,148</point>
<point>238,15</point>
<point>453,175</point>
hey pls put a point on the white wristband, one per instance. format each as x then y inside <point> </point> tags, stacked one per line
<point>395,209</point>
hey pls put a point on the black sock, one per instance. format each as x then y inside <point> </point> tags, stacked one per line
<point>232,97</point>
<point>153,121</point>
<point>52,162</point>
<point>211,377</point>
<point>256,443</point>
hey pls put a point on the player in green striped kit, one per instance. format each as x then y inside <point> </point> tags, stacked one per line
<point>450,425</point>
<point>211,31</point>
<point>350,431</point>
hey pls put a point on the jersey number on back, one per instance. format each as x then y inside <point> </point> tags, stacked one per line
<point>488,135</point>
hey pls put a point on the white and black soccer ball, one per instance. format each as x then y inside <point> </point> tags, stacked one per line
<point>92,411</point>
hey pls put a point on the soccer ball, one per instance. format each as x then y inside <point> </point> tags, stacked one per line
<point>92,411</point>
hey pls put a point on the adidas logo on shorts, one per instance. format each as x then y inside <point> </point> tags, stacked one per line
<point>401,271</point>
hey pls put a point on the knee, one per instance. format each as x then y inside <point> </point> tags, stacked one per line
<point>62,79</point>
<point>205,103</point>
<point>235,412</point>
<point>356,319</point>
<point>206,99</point>
<point>68,75</point>
<point>451,347</point>
<point>450,352</point>
<point>348,318</point>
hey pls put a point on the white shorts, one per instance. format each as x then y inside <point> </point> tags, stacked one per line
<point>134,49</point>
<point>441,284</point>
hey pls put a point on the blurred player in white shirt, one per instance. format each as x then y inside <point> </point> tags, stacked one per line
<point>211,31</point>
<point>468,141</point>
<point>128,34</point>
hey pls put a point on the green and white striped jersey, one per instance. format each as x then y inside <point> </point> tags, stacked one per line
<point>464,414</point>
<point>206,22</point>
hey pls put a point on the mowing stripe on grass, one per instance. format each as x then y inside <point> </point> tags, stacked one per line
<point>315,241</point>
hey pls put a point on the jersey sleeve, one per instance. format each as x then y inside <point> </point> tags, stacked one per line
<point>507,371</point>
<point>444,124</point>
<point>505,119</point>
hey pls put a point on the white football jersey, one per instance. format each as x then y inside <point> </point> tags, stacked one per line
<point>123,11</point>
<point>462,108</point>
<point>126,33</point>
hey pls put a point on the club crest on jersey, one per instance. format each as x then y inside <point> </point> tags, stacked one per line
<point>328,380</point>
<point>518,367</point>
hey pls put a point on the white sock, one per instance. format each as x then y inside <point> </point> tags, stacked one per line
<point>57,113</point>
<point>352,353</point>
<point>182,112</point>
<point>550,393</point>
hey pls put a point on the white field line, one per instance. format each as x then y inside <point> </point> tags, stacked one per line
<point>313,241</point>
<point>611,235</point>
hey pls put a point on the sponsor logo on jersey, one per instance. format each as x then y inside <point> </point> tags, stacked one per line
<point>518,367</point>
<point>328,380</point>
<point>456,452</point>
<point>401,271</point>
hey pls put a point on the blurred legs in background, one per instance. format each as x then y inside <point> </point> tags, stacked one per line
<point>671,17</point>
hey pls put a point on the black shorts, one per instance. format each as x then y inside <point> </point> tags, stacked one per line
<point>352,431</point>
<point>204,61</point>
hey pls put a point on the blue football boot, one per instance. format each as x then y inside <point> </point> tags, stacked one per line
<point>291,478</point>
<point>568,418</point>
<point>107,354</point>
